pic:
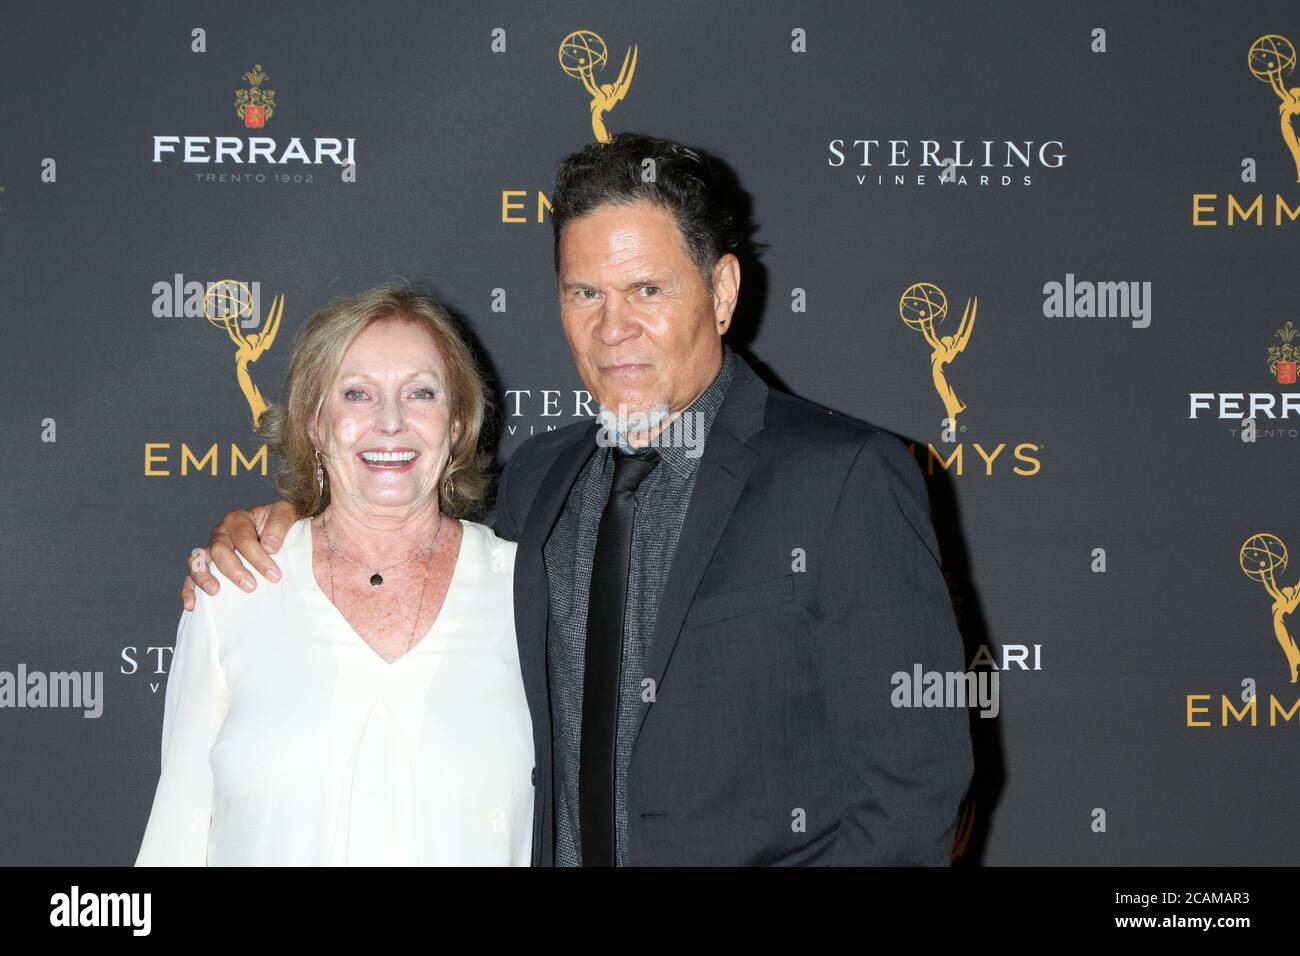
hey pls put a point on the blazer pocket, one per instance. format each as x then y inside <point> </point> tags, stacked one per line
<point>735,602</point>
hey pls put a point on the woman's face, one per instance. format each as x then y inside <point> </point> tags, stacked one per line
<point>386,429</point>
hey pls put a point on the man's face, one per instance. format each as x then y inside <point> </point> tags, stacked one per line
<point>638,316</point>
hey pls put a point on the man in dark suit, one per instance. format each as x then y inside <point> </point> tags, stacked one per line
<point>708,641</point>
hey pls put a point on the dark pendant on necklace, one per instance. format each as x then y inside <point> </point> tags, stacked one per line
<point>376,580</point>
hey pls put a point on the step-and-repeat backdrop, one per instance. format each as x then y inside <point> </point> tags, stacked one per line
<point>1070,229</point>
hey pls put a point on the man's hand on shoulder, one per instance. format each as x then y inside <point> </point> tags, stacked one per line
<point>255,534</point>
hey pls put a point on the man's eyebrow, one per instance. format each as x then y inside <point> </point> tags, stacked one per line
<point>575,284</point>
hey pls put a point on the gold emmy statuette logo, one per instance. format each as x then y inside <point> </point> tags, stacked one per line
<point>225,304</point>
<point>1270,58</point>
<point>923,307</point>
<point>255,105</point>
<point>1262,557</point>
<point>582,53</point>
<point>1282,358</point>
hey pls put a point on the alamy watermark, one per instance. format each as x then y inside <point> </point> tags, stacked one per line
<point>946,689</point>
<point>75,908</point>
<point>630,428</point>
<point>77,690</point>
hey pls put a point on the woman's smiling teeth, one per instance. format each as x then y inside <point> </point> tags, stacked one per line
<point>388,459</point>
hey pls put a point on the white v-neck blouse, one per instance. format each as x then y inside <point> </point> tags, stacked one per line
<point>287,740</point>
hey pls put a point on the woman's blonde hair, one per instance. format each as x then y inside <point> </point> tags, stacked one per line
<point>317,356</point>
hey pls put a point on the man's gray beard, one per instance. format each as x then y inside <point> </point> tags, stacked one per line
<point>655,415</point>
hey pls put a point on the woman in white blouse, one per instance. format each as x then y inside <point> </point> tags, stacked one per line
<point>369,710</point>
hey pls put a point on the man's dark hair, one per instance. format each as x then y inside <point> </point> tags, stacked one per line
<point>686,182</point>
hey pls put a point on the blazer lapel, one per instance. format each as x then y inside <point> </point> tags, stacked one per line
<point>532,596</point>
<point>532,611</point>
<point>724,470</point>
<point>555,487</point>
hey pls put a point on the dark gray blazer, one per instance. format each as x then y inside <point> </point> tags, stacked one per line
<point>806,574</point>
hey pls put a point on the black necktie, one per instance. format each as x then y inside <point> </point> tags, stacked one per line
<point>607,599</point>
